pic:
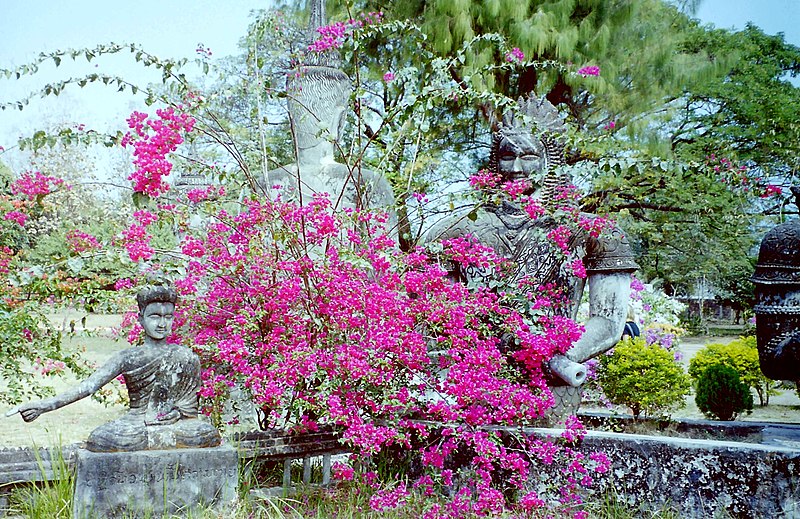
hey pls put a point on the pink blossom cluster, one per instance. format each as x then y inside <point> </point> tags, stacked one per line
<point>124,284</point>
<point>561,236</point>
<point>152,140</point>
<point>515,55</point>
<point>516,188</point>
<point>485,179</point>
<point>590,70</point>
<point>136,241</point>
<point>79,241</point>
<point>741,178</point>
<point>17,217</point>
<point>595,225</point>
<point>33,184</point>
<point>325,323</point>
<point>202,194</point>
<point>49,366</point>
<point>333,36</point>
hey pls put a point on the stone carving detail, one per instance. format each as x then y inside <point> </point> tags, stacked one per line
<point>162,381</point>
<point>777,294</point>
<point>532,148</point>
<point>318,100</point>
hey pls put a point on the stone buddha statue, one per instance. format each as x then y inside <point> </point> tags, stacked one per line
<point>529,145</point>
<point>162,381</point>
<point>318,100</point>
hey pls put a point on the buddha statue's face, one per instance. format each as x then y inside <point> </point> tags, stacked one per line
<point>521,155</point>
<point>156,319</point>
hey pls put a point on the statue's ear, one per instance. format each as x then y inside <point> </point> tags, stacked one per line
<point>340,125</point>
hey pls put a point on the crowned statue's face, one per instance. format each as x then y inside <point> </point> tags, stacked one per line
<point>521,156</point>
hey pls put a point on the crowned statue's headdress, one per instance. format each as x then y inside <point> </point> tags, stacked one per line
<point>538,117</point>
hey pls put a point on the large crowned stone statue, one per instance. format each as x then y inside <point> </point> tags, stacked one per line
<point>162,380</point>
<point>318,93</point>
<point>529,145</point>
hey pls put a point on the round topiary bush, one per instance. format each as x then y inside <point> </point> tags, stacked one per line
<point>645,378</point>
<point>721,394</point>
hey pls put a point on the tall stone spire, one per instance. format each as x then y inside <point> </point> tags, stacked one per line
<point>316,19</point>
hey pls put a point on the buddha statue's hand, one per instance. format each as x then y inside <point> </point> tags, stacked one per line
<point>167,418</point>
<point>32,410</point>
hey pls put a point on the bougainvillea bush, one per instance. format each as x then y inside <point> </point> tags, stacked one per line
<point>29,347</point>
<point>324,322</point>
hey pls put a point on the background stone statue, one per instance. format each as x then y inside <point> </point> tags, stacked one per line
<point>318,101</point>
<point>528,146</point>
<point>162,381</point>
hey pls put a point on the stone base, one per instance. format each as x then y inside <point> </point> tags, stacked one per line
<point>153,483</point>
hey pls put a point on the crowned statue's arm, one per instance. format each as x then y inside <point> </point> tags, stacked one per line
<point>608,303</point>
<point>528,146</point>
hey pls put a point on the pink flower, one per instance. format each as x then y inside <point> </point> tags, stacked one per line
<point>145,217</point>
<point>193,247</point>
<point>610,125</point>
<point>590,70</point>
<point>578,268</point>
<point>342,472</point>
<point>534,208</point>
<point>560,236</point>
<point>485,179</point>
<point>388,77</point>
<point>516,187</point>
<point>123,284</point>
<point>17,217</point>
<point>153,140</point>
<point>515,54</point>
<point>33,184</point>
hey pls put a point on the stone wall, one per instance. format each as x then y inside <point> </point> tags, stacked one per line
<point>699,478</point>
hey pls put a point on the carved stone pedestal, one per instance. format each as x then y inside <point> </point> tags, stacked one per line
<point>152,483</point>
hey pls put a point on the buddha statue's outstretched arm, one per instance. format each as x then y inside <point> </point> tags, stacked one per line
<point>609,293</point>
<point>102,376</point>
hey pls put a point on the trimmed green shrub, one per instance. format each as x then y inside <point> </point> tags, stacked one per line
<point>740,355</point>
<point>721,394</point>
<point>646,379</point>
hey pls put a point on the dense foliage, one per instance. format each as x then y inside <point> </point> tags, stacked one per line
<point>643,377</point>
<point>721,394</point>
<point>740,355</point>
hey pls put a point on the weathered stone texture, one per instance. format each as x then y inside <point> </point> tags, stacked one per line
<point>700,477</point>
<point>151,483</point>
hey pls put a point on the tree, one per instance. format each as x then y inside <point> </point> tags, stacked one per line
<point>752,114</point>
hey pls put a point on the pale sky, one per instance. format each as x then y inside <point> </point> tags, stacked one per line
<point>173,28</point>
